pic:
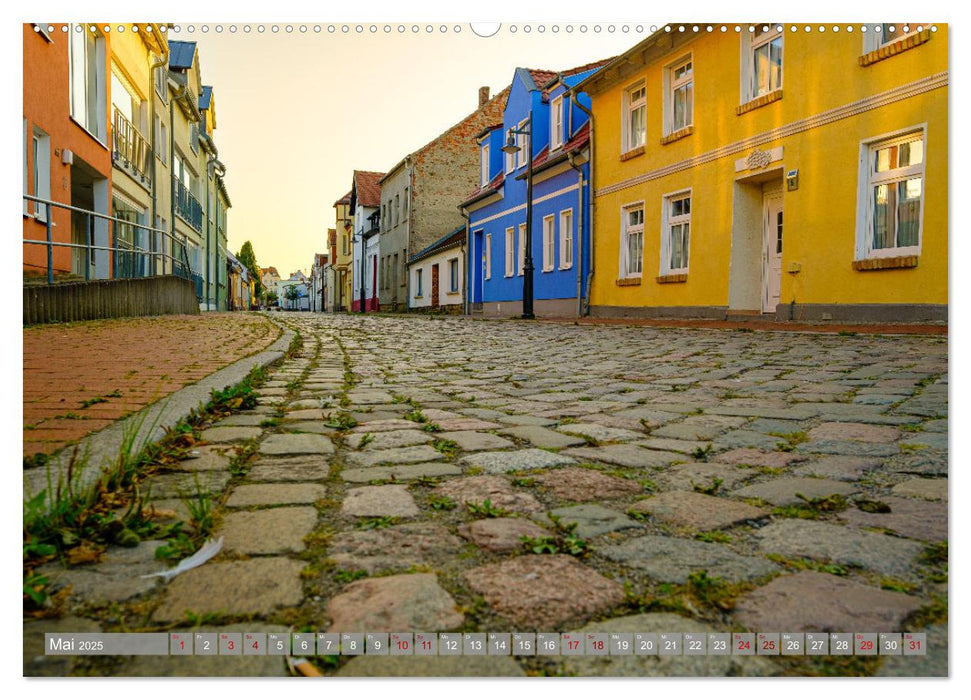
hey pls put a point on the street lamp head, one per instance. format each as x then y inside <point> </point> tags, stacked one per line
<point>510,146</point>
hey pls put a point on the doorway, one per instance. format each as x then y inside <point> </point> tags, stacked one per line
<point>771,247</point>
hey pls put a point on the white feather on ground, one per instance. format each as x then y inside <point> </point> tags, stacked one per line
<point>206,552</point>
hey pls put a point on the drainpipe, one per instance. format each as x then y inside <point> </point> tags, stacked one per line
<point>183,89</point>
<point>213,166</point>
<point>163,61</point>
<point>579,168</point>
<point>465,262</point>
<point>593,210</point>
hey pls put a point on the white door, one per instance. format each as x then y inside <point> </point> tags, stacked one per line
<point>771,250</point>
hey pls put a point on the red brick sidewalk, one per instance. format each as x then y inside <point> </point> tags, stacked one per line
<point>81,377</point>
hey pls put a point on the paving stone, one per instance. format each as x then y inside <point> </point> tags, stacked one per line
<point>544,437</point>
<point>275,494</point>
<point>431,667</point>
<point>296,444</point>
<point>854,431</point>
<point>935,426</point>
<point>779,427</point>
<point>810,601</point>
<point>207,458</point>
<point>936,441</point>
<point>395,456</point>
<point>786,491</point>
<point>231,434</point>
<point>501,535</point>
<point>311,468</point>
<point>690,431</point>
<point>514,460</point>
<point>496,489</point>
<point>600,433</point>
<point>749,438</point>
<point>308,414</point>
<point>466,424</point>
<point>697,510</point>
<point>378,501</point>
<point>241,419</point>
<point>929,489</point>
<point>849,447</point>
<point>685,447</point>
<point>648,417</point>
<point>394,603</point>
<point>673,559</point>
<point>908,517</point>
<point>249,587</point>
<point>626,455</point>
<point>471,441</point>
<point>393,548</point>
<point>404,472</point>
<point>391,439</point>
<point>525,420</point>
<point>185,485</point>
<point>269,531</point>
<point>923,462</point>
<point>578,484</point>
<point>380,426</point>
<point>685,477</point>
<point>592,520</point>
<point>369,397</point>
<point>544,591</point>
<point>307,426</point>
<point>839,544</point>
<point>371,415</point>
<point>800,412</point>
<point>756,458</point>
<point>841,468</point>
<point>663,666</point>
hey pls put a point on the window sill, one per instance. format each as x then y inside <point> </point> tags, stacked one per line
<point>672,278</point>
<point>548,269</point>
<point>418,296</point>
<point>632,153</point>
<point>563,269</point>
<point>678,135</point>
<point>761,101</point>
<point>901,261</point>
<point>892,49</point>
<point>629,282</point>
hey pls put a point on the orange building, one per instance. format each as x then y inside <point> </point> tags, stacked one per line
<point>66,155</point>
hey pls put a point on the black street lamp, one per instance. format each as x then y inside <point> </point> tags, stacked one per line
<point>512,148</point>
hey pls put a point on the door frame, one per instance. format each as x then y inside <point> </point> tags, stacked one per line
<point>770,194</point>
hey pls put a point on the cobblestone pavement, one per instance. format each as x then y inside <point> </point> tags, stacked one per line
<point>402,460</point>
<point>81,377</point>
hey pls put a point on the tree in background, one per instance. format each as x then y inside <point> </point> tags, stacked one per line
<point>248,258</point>
<point>292,294</point>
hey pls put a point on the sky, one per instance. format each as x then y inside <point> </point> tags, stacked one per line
<point>297,113</point>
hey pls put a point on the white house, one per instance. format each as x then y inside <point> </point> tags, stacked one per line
<point>366,213</point>
<point>436,279</point>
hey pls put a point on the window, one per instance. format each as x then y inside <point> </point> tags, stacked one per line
<point>510,159</point>
<point>635,118</point>
<point>484,165</point>
<point>883,34</point>
<point>632,241</point>
<point>522,248</point>
<point>194,137</point>
<point>160,80</point>
<point>88,89</point>
<point>161,140</point>
<point>404,204</point>
<point>41,152</point>
<point>761,61</point>
<point>510,247</point>
<point>418,280</point>
<point>397,209</point>
<point>675,233</point>
<point>556,123</point>
<point>679,95</point>
<point>521,155</point>
<point>892,194</point>
<point>487,256</point>
<point>453,275</point>
<point>548,234</point>
<point>566,239</point>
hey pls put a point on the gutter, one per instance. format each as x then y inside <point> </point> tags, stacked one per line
<point>183,89</point>
<point>593,204</point>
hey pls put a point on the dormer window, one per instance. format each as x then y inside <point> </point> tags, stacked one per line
<point>556,123</point>
<point>484,166</point>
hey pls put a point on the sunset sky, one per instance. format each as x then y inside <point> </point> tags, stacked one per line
<point>298,112</point>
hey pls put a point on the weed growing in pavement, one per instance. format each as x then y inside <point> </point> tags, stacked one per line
<point>341,421</point>
<point>565,539</point>
<point>449,448</point>
<point>702,453</point>
<point>92,401</point>
<point>486,509</point>
<point>441,503</point>
<point>343,576</point>
<point>711,489</point>
<point>427,481</point>
<point>813,508</point>
<point>365,440</point>
<point>239,397</point>
<point>432,428</point>
<point>869,506</point>
<point>239,463</point>
<point>416,416</point>
<point>524,482</point>
<point>714,536</point>
<point>376,523</point>
<point>798,564</point>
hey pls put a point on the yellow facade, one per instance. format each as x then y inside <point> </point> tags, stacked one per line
<point>822,128</point>
<point>344,259</point>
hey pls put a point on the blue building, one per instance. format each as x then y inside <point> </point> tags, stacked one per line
<point>559,133</point>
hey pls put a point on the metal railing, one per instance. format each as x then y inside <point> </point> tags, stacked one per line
<point>131,151</point>
<point>136,250</point>
<point>186,204</point>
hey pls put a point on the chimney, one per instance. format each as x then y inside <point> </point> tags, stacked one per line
<point>483,95</point>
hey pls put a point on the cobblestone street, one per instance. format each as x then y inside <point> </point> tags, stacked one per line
<point>664,480</point>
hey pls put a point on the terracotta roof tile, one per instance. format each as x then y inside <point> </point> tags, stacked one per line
<point>346,199</point>
<point>367,184</point>
<point>493,186</point>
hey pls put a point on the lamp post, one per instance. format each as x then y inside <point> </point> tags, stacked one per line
<point>512,148</point>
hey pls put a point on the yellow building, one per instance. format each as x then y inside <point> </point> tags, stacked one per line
<point>772,170</point>
<point>344,259</point>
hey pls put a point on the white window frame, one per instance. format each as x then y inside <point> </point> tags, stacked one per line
<point>484,178</point>
<point>453,275</point>
<point>521,156</point>
<point>667,221</point>
<point>510,251</point>
<point>873,39</point>
<point>750,43</point>
<point>670,85</point>
<point>556,123</point>
<point>509,159</point>
<point>487,255</point>
<point>79,106</point>
<point>549,242</point>
<point>419,292</point>
<point>522,248</point>
<point>40,145</point>
<point>566,239</point>
<point>625,272</point>
<point>627,110</point>
<point>869,179</point>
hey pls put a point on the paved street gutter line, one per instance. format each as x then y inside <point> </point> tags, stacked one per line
<point>150,423</point>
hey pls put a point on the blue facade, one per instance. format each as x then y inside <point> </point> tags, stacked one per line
<point>561,197</point>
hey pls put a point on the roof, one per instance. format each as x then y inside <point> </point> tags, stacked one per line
<point>346,199</point>
<point>367,188</point>
<point>269,270</point>
<point>205,99</point>
<point>484,192</point>
<point>576,142</point>
<point>626,59</point>
<point>486,130</point>
<point>181,54</point>
<point>449,240</point>
<point>576,71</point>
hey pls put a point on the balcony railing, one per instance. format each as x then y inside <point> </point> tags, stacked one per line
<point>131,151</point>
<point>186,205</point>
